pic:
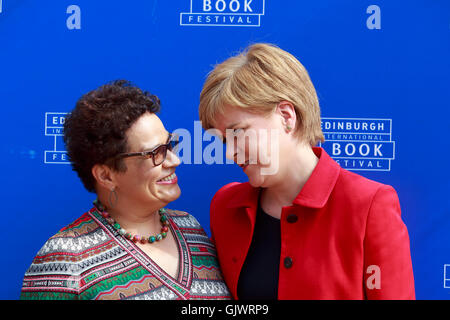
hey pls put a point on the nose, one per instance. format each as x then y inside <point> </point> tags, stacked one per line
<point>171,160</point>
<point>230,152</point>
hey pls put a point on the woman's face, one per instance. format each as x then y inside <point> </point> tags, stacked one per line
<point>257,143</point>
<point>143,182</point>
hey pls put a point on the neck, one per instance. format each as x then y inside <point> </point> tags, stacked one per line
<point>283,192</point>
<point>137,219</point>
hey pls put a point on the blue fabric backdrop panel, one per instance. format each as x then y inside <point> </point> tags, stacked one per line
<point>381,70</point>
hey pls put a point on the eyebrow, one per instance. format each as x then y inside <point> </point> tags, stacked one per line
<point>156,146</point>
<point>232,126</point>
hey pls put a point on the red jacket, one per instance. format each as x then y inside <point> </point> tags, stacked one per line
<point>342,237</point>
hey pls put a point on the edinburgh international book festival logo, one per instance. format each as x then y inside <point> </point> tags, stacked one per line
<point>223,13</point>
<point>54,127</point>
<point>359,144</point>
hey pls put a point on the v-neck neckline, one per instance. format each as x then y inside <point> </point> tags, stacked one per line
<point>182,283</point>
<point>182,274</point>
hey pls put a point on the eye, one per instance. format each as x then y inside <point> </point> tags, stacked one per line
<point>232,133</point>
<point>237,132</point>
<point>147,154</point>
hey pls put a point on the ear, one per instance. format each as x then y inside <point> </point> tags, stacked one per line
<point>288,116</point>
<point>104,176</point>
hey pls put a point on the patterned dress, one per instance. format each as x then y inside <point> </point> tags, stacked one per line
<point>89,259</point>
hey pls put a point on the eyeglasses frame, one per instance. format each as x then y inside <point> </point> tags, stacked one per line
<point>152,152</point>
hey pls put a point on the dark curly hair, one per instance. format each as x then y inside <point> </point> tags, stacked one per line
<point>94,132</point>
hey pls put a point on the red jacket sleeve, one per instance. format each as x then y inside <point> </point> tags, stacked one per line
<point>388,270</point>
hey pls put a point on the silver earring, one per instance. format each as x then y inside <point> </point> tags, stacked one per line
<point>112,194</point>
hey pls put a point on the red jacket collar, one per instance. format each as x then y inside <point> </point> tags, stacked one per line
<point>314,194</point>
<point>317,189</point>
<point>244,196</point>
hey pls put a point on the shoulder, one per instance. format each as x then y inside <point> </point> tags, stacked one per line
<point>188,226</point>
<point>183,219</point>
<point>69,241</point>
<point>175,213</point>
<point>62,257</point>
<point>80,226</point>
<point>361,191</point>
<point>350,181</point>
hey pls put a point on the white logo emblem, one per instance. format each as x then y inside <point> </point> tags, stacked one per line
<point>223,13</point>
<point>359,144</point>
<point>54,126</point>
<point>447,276</point>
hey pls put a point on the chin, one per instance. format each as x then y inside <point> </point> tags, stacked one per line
<point>254,185</point>
<point>175,195</point>
<point>168,196</point>
<point>256,181</point>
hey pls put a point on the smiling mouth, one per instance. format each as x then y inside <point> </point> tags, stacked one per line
<point>170,179</point>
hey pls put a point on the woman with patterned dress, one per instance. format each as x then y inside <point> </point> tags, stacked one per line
<point>128,245</point>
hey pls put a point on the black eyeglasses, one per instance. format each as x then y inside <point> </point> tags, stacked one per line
<point>158,154</point>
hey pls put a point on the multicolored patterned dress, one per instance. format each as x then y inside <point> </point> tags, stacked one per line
<point>89,259</point>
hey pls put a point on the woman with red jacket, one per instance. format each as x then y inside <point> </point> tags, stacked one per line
<point>301,227</point>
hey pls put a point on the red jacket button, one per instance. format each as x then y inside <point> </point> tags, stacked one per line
<point>292,218</point>
<point>288,262</point>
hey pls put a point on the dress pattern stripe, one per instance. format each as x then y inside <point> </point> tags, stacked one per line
<point>90,260</point>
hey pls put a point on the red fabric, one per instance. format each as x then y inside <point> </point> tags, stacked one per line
<point>347,227</point>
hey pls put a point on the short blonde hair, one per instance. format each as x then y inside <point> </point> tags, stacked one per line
<point>257,80</point>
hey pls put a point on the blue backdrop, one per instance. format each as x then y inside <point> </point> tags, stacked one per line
<point>381,65</point>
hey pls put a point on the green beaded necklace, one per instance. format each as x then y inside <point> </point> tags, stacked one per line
<point>135,238</point>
